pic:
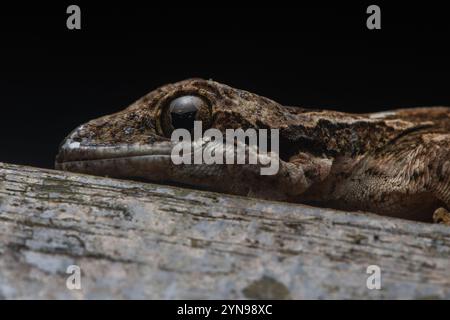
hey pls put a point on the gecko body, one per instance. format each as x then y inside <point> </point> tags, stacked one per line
<point>394,163</point>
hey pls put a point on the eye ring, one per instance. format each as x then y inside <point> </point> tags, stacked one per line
<point>181,110</point>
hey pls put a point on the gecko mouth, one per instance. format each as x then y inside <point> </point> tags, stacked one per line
<point>154,163</point>
<point>127,160</point>
<point>145,163</point>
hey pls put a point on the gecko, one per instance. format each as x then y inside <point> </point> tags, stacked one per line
<point>394,163</point>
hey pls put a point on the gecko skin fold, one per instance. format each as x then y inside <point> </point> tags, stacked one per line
<point>394,163</point>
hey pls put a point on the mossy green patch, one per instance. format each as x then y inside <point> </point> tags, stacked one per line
<point>266,288</point>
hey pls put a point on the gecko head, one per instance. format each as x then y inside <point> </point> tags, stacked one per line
<point>136,142</point>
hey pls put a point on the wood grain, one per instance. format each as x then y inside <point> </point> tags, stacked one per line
<point>136,240</point>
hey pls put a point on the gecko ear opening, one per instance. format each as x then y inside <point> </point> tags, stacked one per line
<point>182,111</point>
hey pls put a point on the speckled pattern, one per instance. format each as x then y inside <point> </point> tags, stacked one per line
<point>394,163</point>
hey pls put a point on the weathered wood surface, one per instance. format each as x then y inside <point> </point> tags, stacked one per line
<point>135,240</point>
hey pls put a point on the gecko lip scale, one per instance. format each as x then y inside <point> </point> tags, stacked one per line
<point>75,151</point>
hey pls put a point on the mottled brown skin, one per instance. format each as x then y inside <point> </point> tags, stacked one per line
<point>394,163</point>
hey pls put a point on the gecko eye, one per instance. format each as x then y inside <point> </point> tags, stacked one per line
<point>183,111</point>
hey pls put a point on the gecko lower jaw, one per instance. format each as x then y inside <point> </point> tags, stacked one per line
<point>154,163</point>
<point>127,160</point>
<point>147,163</point>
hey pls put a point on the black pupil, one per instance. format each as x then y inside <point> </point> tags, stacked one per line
<point>183,111</point>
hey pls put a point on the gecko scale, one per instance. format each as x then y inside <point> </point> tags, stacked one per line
<point>394,163</point>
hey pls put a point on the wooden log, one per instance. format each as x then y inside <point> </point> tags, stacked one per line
<point>137,240</point>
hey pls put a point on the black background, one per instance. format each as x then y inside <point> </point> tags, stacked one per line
<point>282,309</point>
<point>53,79</point>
